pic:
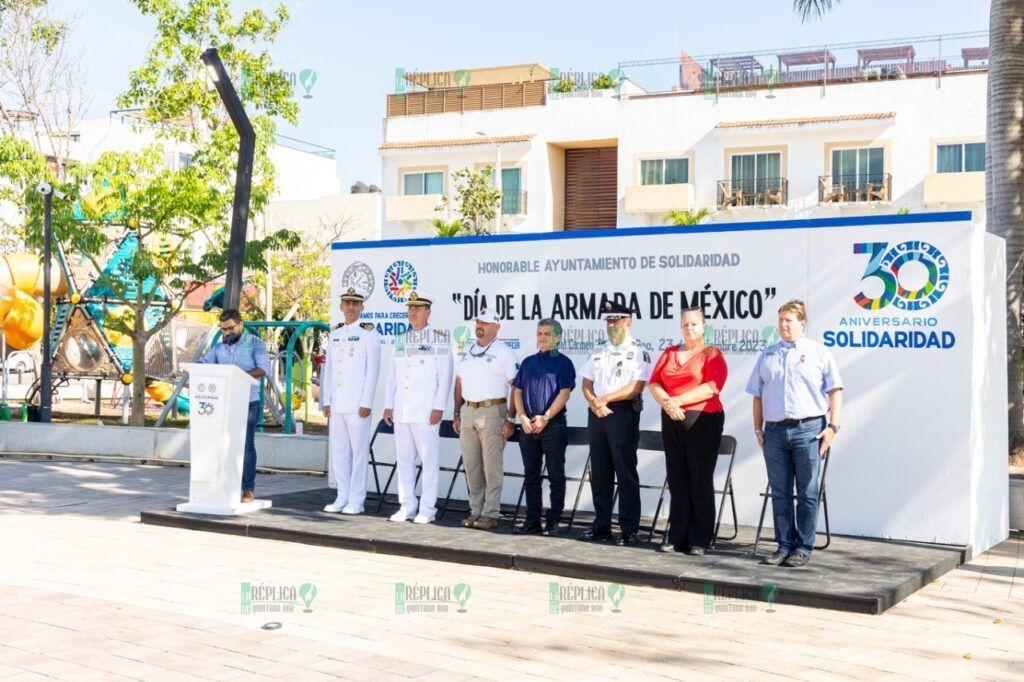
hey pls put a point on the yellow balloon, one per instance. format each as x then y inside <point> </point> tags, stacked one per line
<point>126,378</point>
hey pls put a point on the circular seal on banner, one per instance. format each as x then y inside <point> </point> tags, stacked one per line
<point>201,388</point>
<point>400,280</point>
<point>358,275</point>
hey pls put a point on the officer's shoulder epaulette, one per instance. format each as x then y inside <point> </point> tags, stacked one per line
<point>368,326</point>
<point>602,343</point>
<point>338,326</point>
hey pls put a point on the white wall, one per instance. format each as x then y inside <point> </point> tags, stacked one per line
<point>921,456</point>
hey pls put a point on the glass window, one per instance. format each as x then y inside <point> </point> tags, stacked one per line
<point>960,157</point>
<point>974,157</point>
<point>857,168</point>
<point>184,160</point>
<point>753,173</point>
<point>949,158</point>
<point>511,196</point>
<point>424,183</point>
<point>677,171</point>
<point>651,172</point>
<point>664,171</point>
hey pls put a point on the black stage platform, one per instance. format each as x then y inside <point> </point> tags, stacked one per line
<point>853,574</point>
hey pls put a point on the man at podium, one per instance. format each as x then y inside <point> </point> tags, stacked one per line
<point>247,352</point>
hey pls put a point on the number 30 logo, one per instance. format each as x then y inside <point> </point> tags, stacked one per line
<point>885,264</point>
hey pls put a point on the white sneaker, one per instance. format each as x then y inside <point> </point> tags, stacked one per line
<point>334,507</point>
<point>399,516</point>
<point>421,519</point>
<point>352,510</point>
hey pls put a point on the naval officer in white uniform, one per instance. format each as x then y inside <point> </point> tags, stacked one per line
<point>348,383</point>
<point>418,385</point>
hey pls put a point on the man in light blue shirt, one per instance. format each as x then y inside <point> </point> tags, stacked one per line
<point>797,403</point>
<point>247,352</point>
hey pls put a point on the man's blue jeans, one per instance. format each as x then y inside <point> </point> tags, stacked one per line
<point>249,463</point>
<point>791,456</point>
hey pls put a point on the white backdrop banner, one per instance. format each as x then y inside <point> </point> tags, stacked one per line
<point>912,307</point>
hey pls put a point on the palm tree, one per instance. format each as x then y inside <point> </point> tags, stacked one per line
<point>687,217</point>
<point>1004,181</point>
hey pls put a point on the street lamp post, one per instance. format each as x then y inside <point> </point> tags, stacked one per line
<point>46,369</point>
<point>243,175</point>
<point>497,176</point>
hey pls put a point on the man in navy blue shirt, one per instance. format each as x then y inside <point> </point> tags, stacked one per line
<point>542,387</point>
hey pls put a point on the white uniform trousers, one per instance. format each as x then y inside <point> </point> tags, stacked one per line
<point>422,441</point>
<point>349,437</point>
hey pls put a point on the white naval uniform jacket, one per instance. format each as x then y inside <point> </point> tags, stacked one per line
<point>420,378</point>
<point>348,380</point>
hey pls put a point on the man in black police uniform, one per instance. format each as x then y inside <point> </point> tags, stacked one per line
<point>613,379</point>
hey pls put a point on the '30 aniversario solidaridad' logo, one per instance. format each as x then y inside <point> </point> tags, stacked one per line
<point>913,276</point>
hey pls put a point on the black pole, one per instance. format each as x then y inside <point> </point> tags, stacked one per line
<point>243,175</point>
<point>45,378</point>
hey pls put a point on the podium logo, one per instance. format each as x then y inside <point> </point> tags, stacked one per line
<point>204,408</point>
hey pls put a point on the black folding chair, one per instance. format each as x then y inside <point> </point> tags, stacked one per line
<point>822,503</point>
<point>727,448</point>
<point>446,431</point>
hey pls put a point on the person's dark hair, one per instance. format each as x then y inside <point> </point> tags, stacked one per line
<point>556,328</point>
<point>699,311</point>
<point>231,315</point>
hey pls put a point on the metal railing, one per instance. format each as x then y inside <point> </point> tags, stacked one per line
<point>513,202</point>
<point>759,192</point>
<point>854,188</point>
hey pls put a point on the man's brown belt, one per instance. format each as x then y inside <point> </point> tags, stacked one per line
<point>485,403</point>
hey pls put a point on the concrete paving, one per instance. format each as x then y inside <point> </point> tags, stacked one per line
<point>88,592</point>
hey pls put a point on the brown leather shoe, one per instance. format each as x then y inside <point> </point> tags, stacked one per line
<point>248,496</point>
<point>486,523</point>
<point>469,521</point>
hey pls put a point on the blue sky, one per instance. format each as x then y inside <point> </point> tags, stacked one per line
<point>355,47</point>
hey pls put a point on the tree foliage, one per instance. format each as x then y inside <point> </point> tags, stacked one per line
<point>474,201</point>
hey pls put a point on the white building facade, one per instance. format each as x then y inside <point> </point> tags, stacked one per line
<point>606,159</point>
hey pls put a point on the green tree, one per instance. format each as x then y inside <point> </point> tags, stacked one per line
<point>475,201</point>
<point>180,222</point>
<point>298,277</point>
<point>182,217</point>
<point>688,217</point>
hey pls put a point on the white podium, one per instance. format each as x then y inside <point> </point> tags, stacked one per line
<point>219,401</point>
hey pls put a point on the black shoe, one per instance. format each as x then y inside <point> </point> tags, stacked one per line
<point>777,558</point>
<point>591,535</point>
<point>696,551</point>
<point>529,528</point>
<point>668,548</point>
<point>551,528</point>
<point>627,539</point>
<point>797,559</point>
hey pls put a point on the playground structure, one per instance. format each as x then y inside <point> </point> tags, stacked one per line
<point>88,338</point>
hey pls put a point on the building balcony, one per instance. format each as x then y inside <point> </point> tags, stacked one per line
<point>762,192</point>
<point>660,198</point>
<point>954,188</point>
<point>410,207</point>
<point>853,188</point>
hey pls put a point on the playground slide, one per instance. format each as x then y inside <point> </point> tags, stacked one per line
<point>21,315</point>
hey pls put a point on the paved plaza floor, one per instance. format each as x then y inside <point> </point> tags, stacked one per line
<point>88,592</point>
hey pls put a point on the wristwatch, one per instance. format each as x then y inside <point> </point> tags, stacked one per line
<point>834,427</point>
<point>546,417</point>
<point>510,420</point>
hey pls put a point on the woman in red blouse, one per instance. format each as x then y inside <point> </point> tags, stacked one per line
<point>686,383</point>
